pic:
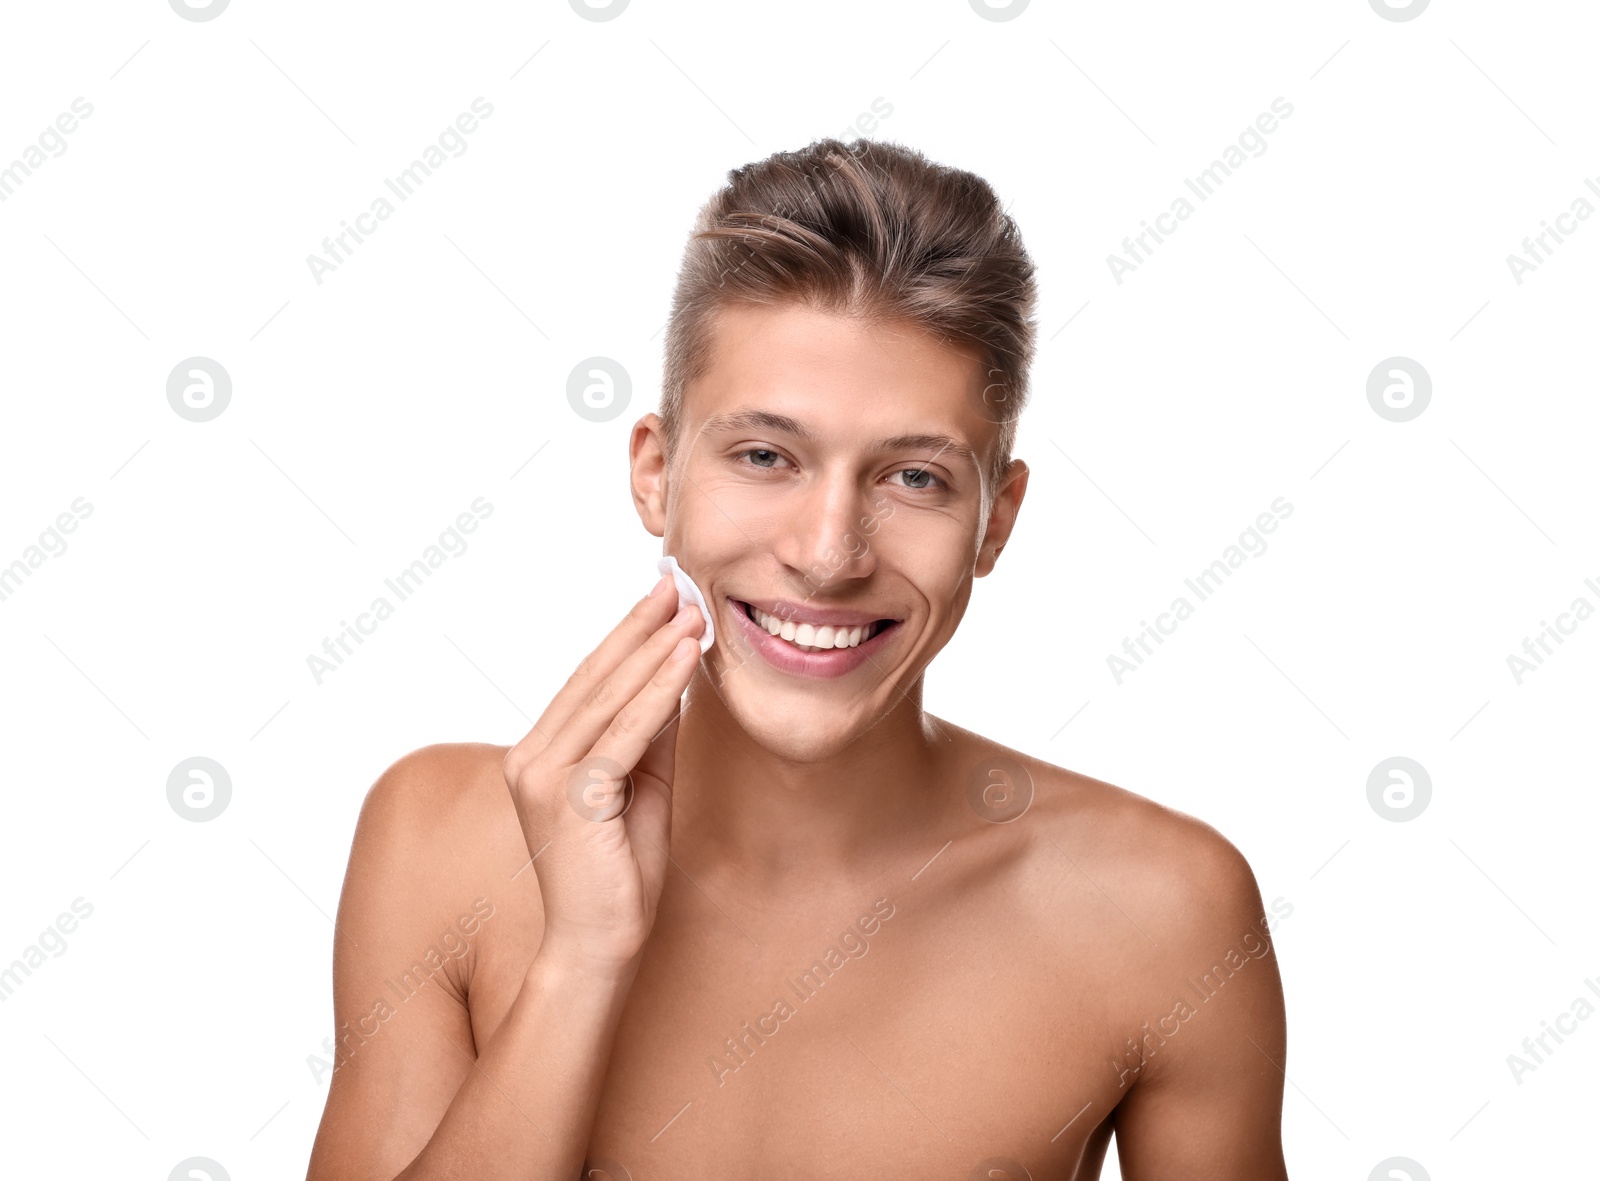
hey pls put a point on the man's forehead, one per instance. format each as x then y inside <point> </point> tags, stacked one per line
<point>735,329</point>
<point>786,358</point>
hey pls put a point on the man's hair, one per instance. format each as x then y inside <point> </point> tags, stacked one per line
<point>866,229</point>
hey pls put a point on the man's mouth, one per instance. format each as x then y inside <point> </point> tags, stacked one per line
<point>815,634</point>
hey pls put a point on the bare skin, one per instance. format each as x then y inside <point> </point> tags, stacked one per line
<point>854,962</point>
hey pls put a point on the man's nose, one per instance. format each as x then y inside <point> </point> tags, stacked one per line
<point>821,538</point>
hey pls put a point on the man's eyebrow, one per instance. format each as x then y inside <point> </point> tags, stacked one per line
<point>939,444</point>
<point>758,420</point>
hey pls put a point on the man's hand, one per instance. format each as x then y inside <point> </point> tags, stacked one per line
<point>599,846</point>
<point>420,1092</point>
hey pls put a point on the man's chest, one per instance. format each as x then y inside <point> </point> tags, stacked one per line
<point>893,1042</point>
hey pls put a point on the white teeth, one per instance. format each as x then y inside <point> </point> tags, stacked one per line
<point>809,637</point>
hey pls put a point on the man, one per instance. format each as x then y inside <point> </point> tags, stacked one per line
<point>796,927</point>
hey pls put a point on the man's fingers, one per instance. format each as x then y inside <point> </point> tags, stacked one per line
<point>636,726</point>
<point>648,824</point>
<point>644,618</point>
<point>658,757</point>
<point>599,708</point>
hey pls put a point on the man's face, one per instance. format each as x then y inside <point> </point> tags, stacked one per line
<point>829,475</point>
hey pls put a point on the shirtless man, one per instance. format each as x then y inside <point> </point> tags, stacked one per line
<point>796,927</point>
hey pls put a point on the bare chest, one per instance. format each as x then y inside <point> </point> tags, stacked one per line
<point>892,1039</point>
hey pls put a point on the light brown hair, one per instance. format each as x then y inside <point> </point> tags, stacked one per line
<point>866,229</point>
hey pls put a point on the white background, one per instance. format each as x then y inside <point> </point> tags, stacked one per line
<point>1168,411</point>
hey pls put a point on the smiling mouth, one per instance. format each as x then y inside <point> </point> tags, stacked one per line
<point>809,637</point>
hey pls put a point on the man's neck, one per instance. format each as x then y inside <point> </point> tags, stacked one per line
<point>778,826</point>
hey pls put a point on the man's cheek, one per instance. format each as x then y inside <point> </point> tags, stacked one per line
<point>882,510</point>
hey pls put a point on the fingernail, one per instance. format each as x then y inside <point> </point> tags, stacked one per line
<point>660,586</point>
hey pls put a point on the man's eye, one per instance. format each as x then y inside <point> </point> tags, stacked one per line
<point>763,458</point>
<point>919,474</point>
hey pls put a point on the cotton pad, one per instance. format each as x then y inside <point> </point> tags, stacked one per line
<point>688,592</point>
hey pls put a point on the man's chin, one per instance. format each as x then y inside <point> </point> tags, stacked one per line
<point>814,736</point>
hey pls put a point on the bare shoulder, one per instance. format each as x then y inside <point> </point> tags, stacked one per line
<point>1177,864</point>
<point>1155,922</point>
<point>1174,875</point>
<point>438,793</point>
<point>418,928</point>
<point>438,833</point>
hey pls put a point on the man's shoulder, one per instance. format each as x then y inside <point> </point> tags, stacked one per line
<point>446,807</point>
<point>433,857</point>
<point>441,778</point>
<point>1146,841</point>
<point>1166,868</point>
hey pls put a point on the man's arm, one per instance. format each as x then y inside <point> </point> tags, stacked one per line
<point>1207,1103</point>
<point>419,1100</point>
<point>413,1098</point>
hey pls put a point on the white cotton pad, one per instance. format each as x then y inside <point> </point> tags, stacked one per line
<point>688,592</point>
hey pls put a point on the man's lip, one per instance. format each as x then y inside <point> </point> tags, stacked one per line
<point>809,613</point>
<point>785,657</point>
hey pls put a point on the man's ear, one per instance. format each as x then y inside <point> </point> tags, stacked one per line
<point>1002,516</point>
<point>647,457</point>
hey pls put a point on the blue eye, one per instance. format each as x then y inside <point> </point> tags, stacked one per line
<point>760,451</point>
<point>921,472</point>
